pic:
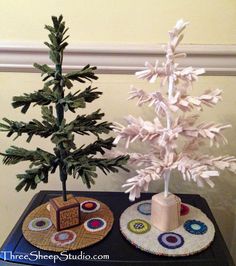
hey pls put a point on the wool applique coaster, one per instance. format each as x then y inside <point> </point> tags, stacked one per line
<point>194,235</point>
<point>96,222</point>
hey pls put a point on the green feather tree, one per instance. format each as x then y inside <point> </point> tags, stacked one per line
<point>55,98</point>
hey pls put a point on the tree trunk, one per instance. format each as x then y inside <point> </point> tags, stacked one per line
<point>60,117</point>
<point>64,190</point>
<point>166,182</point>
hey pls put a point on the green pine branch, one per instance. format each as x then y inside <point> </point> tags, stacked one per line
<point>83,75</point>
<point>34,127</point>
<point>85,167</point>
<point>43,129</point>
<point>41,160</point>
<point>110,165</point>
<point>14,155</point>
<point>41,97</point>
<point>86,73</point>
<point>92,149</point>
<point>85,124</point>
<point>79,99</point>
<point>86,172</point>
<point>32,177</point>
<point>90,94</point>
<point>45,70</point>
<point>47,96</point>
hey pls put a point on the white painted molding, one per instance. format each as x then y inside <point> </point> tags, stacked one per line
<point>117,59</point>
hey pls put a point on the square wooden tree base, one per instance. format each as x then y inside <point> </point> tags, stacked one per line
<point>64,214</point>
<point>165,212</point>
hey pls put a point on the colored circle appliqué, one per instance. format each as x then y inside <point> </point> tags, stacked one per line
<point>195,227</point>
<point>89,206</point>
<point>95,224</point>
<point>63,238</point>
<point>40,224</point>
<point>144,208</point>
<point>138,226</point>
<point>171,240</point>
<point>184,209</point>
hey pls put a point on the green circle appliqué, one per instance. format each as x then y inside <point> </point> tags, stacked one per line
<point>138,226</point>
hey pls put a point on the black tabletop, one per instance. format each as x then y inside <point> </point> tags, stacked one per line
<point>114,249</point>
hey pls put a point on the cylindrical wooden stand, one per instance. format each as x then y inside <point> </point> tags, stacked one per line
<point>165,212</point>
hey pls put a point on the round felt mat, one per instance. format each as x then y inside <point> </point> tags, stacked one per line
<point>96,222</point>
<point>195,233</point>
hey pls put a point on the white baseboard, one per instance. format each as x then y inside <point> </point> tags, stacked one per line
<point>218,60</point>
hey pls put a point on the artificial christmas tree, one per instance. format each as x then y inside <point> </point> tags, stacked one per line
<point>56,98</point>
<point>173,140</point>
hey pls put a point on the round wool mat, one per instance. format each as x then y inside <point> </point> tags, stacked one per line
<point>96,222</point>
<point>195,233</point>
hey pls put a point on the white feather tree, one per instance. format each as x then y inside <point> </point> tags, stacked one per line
<point>172,122</point>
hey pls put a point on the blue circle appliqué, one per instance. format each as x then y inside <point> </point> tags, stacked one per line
<point>195,227</point>
<point>144,208</point>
